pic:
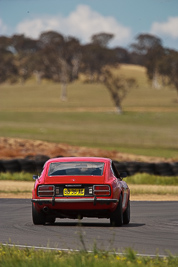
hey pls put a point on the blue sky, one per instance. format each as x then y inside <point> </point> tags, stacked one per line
<point>82,18</point>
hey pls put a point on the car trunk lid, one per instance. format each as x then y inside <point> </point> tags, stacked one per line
<point>74,180</point>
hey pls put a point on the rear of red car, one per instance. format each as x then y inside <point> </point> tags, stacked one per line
<point>75,188</point>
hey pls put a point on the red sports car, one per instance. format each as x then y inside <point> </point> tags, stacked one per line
<point>77,187</point>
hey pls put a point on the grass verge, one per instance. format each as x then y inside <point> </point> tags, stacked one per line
<point>139,179</point>
<point>148,179</point>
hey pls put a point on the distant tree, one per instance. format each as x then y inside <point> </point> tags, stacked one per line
<point>118,87</point>
<point>74,51</point>
<point>61,58</point>
<point>93,59</point>
<point>102,39</point>
<point>8,68</point>
<point>136,58</point>
<point>70,63</point>
<point>96,55</point>
<point>23,49</point>
<point>121,55</point>
<point>38,66</point>
<point>51,47</point>
<point>150,50</point>
<point>168,68</point>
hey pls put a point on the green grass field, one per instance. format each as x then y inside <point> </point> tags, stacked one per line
<point>148,125</point>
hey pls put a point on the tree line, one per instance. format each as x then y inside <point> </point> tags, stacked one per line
<point>61,59</point>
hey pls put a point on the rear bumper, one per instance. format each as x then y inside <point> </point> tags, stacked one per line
<point>93,200</point>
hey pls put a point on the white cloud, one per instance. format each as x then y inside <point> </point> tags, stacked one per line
<point>168,28</point>
<point>81,23</point>
<point>3,27</point>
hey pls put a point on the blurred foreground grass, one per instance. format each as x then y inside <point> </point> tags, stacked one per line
<point>13,256</point>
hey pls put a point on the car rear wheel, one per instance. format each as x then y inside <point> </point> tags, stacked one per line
<point>38,217</point>
<point>50,220</point>
<point>116,218</point>
<point>126,215</point>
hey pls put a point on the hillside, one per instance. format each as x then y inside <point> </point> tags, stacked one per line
<point>87,124</point>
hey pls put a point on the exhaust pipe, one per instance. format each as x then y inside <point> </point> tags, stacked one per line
<point>46,209</point>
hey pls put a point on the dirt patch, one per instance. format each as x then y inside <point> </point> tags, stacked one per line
<point>16,189</point>
<point>154,197</point>
<point>16,186</point>
<point>11,148</point>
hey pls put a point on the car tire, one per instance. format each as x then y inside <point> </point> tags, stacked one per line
<point>38,217</point>
<point>126,214</point>
<point>116,218</point>
<point>51,220</point>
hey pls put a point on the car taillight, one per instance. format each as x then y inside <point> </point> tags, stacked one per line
<point>101,190</point>
<point>46,190</point>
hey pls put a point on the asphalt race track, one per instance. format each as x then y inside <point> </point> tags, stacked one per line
<point>153,229</point>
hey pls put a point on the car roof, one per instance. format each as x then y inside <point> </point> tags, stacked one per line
<point>71,159</point>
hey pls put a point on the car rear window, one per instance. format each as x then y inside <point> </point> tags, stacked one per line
<point>76,168</point>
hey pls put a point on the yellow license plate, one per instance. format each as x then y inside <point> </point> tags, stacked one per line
<point>74,192</point>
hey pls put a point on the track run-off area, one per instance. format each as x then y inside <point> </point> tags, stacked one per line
<point>153,229</point>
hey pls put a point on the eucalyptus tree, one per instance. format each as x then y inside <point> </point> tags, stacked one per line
<point>168,68</point>
<point>122,55</point>
<point>23,49</point>
<point>102,39</point>
<point>118,87</point>
<point>151,51</point>
<point>8,68</point>
<point>61,57</point>
<point>96,55</point>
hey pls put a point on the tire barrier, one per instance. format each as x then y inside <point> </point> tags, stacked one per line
<point>11,165</point>
<point>158,168</point>
<point>35,165</point>
<point>32,165</point>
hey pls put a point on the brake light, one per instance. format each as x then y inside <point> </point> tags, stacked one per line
<point>46,191</point>
<point>101,190</point>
